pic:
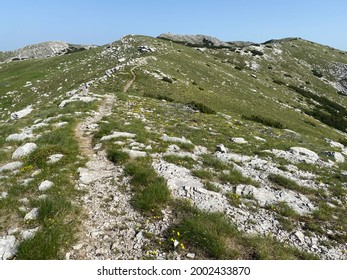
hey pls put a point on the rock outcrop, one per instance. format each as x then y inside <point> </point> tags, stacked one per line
<point>195,40</point>
<point>42,50</point>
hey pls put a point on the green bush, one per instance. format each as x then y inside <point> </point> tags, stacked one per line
<point>264,121</point>
<point>279,82</point>
<point>256,52</point>
<point>317,73</point>
<point>328,112</point>
<point>159,97</point>
<point>117,156</point>
<point>142,174</point>
<point>202,108</point>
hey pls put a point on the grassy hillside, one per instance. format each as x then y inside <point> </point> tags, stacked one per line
<point>276,95</point>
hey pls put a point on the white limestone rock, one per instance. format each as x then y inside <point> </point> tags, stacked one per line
<point>29,233</point>
<point>304,153</point>
<point>118,135</point>
<point>11,166</point>
<point>95,171</point>
<point>22,113</point>
<point>259,138</point>
<point>200,150</point>
<point>75,98</point>
<point>334,144</point>
<point>181,140</point>
<point>299,154</point>
<point>54,158</point>
<point>183,185</point>
<point>8,247</point>
<point>227,157</point>
<point>24,150</point>
<point>134,153</point>
<point>338,157</point>
<point>20,136</point>
<point>238,140</point>
<point>221,148</point>
<point>300,236</point>
<point>32,215</point>
<point>3,195</point>
<point>45,185</point>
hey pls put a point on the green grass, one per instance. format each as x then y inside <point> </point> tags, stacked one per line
<point>117,156</point>
<point>289,184</point>
<point>210,161</point>
<point>235,177</point>
<point>203,174</point>
<point>185,161</point>
<point>151,192</point>
<point>283,209</point>
<point>212,236</point>
<point>152,197</point>
<point>211,187</point>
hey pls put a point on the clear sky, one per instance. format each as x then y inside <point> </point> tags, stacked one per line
<point>24,22</point>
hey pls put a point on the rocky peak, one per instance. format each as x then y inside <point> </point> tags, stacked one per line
<point>42,50</point>
<point>195,40</point>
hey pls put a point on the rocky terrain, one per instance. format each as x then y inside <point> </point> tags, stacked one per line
<point>42,50</point>
<point>176,147</point>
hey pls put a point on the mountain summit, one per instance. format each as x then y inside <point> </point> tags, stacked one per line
<point>177,147</point>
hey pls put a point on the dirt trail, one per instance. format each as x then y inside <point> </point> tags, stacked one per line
<point>129,84</point>
<point>106,232</point>
<point>84,129</point>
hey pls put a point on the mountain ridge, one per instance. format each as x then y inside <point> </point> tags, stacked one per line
<point>42,50</point>
<point>190,40</point>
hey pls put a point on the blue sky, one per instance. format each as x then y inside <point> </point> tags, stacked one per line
<point>24,22</point>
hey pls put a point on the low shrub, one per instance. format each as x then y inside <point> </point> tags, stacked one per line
<point>117,156</point>
<point>202,108</point>
<point>265,121</point>
<point>159,97</point>
<point>317,73</point>
<point>288,184</point>
<point>152,196</point>
<point>235,177</point>
<point>151,192</point>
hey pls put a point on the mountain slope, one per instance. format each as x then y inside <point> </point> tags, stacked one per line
<point>143,125</point>
<point>42,50</point>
